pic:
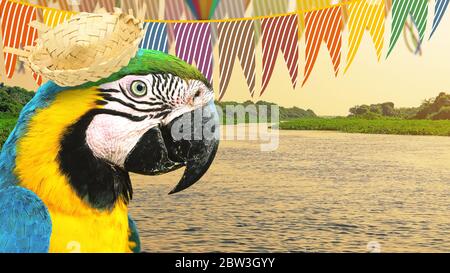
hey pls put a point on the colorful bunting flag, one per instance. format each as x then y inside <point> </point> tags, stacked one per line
<point>236,39</point>
<point>53,17</point>
<point>174,10</point>
<point>400,10</point>
<point>16,32</point>
<point>155,37</point>
<point>202,9</point>
<point>365,15</point>
<point>64,5</point>
<point>439,10</point>
<point>151,10</point>
<point>323,25</point>
<point>193,43</point>
<point>108,5</point>
<point>86,5</point>
<point>265,8</point>
<point>308,5</point>
<point>230,9</point>
<point>280,33</point>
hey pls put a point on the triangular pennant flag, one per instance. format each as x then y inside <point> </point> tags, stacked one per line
<point>16,32</point>
<point>155,37</point>
<point>266,8</point>
<point>213,8</point>
<point>193,43</point>
<point>280,33</point>
<point>54,17</point>
<point>400,10</point>
<point>87,5</point>
<point>365,16</point>
<point>42,3</point>
<point>304,6</point>
<point>63,4</point>
<point>236,38</point>
<point>174,10</point>
<point>439,10</point>
<point>323,25</point>
<point>108,5</point>
<point>202,9</point>
<point>151,7</point>
<point>230,9</point>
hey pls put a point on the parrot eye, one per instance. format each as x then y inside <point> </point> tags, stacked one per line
<point>138,88</point>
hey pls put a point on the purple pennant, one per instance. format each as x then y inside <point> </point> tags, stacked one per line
<point>193,43</point>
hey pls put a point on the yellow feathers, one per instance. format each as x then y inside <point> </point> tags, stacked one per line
<point>76,225</point>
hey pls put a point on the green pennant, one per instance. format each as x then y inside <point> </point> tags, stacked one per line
<point>400,11</point>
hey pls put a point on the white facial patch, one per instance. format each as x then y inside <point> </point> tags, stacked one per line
<point>112,138</point>
<point>135,104</point>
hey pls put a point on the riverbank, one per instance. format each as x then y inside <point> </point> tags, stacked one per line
<point>341,124</point>
<point>371,126</point>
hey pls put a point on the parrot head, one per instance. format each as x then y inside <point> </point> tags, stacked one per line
<point>153,116</point>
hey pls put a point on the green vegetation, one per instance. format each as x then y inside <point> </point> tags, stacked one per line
<point>371,126</point>
<point>229,110</point>
<point>437,108</point>
<point>380,110</point>
<point>6,126</point>
<point>12,100</point>
<point>431,118</point>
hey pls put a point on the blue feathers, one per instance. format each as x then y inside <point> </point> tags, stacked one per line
<point>44,96</point>
<point>25,222</point>
<point>134,236</point>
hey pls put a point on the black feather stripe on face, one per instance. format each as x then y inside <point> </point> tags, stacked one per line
<point>96,181</point>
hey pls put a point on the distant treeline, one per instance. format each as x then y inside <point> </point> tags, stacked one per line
<point>253,109</point>
<point>437,108</point>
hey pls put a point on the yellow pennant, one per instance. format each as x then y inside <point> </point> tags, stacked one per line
<point>53,17</point>
<point>365,15</point>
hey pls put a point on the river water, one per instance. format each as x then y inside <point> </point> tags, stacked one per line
<point>318,192</point>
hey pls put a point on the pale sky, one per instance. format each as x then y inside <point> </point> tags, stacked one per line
<point>403,78</point>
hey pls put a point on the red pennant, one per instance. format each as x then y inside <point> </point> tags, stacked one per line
<point>280,33</point>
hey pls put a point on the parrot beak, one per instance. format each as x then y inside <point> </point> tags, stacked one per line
<point>190,140</point>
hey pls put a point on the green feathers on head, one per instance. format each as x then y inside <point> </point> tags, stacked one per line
<point>155,62</point>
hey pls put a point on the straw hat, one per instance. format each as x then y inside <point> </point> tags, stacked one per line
<point>86,48</point>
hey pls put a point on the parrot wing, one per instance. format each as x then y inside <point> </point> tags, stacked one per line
<point>25,222</point>
<point>133,238</point>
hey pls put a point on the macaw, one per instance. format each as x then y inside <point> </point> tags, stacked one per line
<point>64,170</point>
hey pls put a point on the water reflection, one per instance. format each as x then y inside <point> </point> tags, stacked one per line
<point>320,191</point>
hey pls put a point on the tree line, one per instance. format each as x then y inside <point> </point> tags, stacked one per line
<point>437,108</point>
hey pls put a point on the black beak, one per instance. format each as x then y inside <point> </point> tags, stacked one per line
<point>190,140</point>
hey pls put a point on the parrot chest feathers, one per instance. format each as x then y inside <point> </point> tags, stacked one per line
<point>93,232</point>
<point>88,210</point>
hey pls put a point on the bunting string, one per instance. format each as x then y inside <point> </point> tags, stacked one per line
<point>194,26</point>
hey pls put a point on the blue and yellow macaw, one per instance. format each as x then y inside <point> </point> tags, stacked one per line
<point>64,170</point>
